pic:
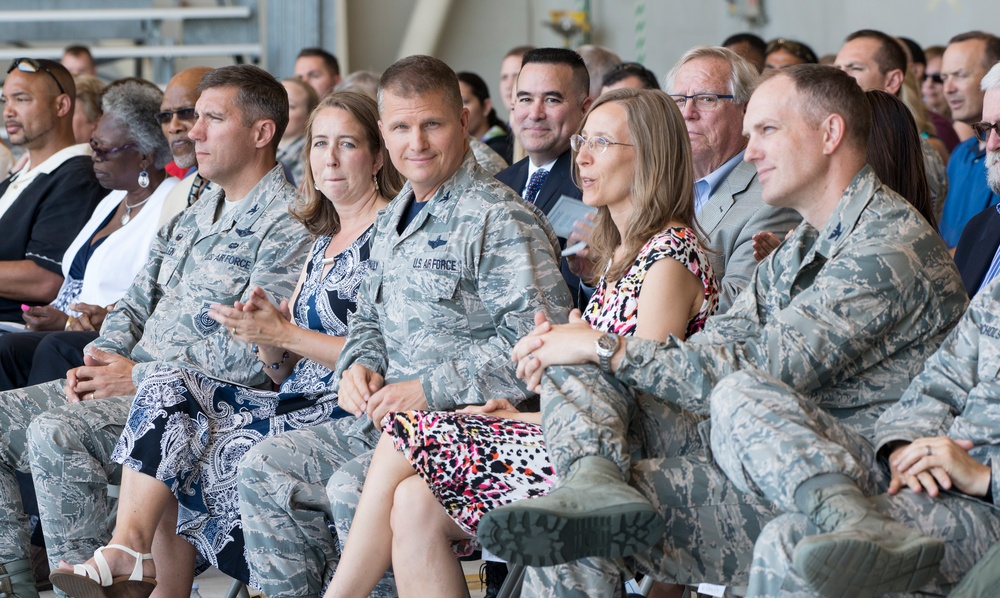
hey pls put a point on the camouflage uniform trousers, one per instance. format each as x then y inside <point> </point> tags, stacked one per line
<point>69,449</point>
<point>982,580</point>
<point>710,525</point>
<point>967,526</point>
<point>36,425</point>
<point>285,507</point>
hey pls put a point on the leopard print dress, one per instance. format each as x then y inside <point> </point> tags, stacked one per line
<point>475,463</point>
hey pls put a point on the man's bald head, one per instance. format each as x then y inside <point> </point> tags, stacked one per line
<point>177,113</point>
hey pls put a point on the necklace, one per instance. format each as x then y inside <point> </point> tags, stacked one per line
<point>128,210</point>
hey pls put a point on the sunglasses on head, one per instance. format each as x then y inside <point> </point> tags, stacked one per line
<point>30,65</point>
<point>796,49</point>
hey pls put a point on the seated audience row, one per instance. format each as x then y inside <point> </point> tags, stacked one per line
<point>388,391</point>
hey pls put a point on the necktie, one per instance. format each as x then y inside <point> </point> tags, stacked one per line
<point>536,182</point>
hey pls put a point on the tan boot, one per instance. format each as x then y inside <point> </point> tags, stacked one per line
<point>863,552</point>
<point>591,513</point>
<point>17,580</point>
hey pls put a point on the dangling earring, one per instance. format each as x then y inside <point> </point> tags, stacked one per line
<point>316,186</point>
<point>143,179</point>
<point>375,180</point>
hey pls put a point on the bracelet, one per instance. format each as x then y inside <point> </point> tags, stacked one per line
<point>274,366</point>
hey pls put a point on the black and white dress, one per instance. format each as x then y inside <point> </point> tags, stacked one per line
<point>190,431</point>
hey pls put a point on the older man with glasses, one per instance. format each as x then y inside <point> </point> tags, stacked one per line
<point>48,201</point>
<point>712,86</point>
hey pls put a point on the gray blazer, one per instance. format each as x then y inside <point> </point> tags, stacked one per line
<point>730,218</point>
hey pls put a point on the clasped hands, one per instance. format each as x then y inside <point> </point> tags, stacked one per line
<point>102,375</point>
<point>933,464</point>
<point>364,391</point>
<point>554,344</point>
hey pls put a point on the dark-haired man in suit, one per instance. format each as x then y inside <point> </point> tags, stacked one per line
<point>550,100</point>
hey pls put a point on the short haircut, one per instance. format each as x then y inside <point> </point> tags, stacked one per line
<point>894,151</point>
<point>754,41</point>
<point>580,77</point>
<point>132,104</point>
<point>312,99</point>
<point>418,75</point>
<point>315,211</point>
<point>519,50</point>
<point>991,80</point>
<point>742,74</point>
<point>88,96</point>
<point>623,71</point>
<point>259,96</point>
<point>79,51</point>
<point>365,82</point>
<point>796,48</point>
<point>329,60</point>
<point>889,56</point>
<point>916,52</point>
<point>598,60</point>
<point>828,90</point>
<point>932,52</point>
<point>991,43</point>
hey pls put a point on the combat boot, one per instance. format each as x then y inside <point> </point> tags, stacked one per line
<point>861,552</point>
<point>591,513</point>
<point>17,580</point>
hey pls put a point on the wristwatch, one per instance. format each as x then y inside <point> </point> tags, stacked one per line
<point>606,346</point>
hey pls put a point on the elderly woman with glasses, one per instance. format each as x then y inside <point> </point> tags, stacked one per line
<point>435,474</point>
<point>129,153</point>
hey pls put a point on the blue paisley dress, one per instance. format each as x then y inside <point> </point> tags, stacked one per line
<point>190,431</point>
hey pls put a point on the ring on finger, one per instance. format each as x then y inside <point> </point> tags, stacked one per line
<point>928,450</point>
<point>531,356</point>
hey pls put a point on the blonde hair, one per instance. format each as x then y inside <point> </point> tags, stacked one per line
<point>662,182</point>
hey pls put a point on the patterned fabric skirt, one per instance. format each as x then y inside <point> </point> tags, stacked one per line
<point>473,463</point>
<point>190,431</point>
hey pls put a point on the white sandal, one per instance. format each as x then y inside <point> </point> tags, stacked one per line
<point>86,582</point>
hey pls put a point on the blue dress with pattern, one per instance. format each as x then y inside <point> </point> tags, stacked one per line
<point>190,431</point>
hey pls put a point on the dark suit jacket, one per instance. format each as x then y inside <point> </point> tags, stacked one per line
<point>976,248</point>
<point>558,183</point>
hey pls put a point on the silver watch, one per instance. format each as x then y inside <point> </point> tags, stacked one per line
<point>606,346</point>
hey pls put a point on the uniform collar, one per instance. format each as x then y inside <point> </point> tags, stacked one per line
<point>853,202</point>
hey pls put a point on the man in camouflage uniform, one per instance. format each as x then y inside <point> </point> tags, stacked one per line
<point>830,330</point>
<point>945,427</point>
<point>463,265</point>
<point>237,237</point>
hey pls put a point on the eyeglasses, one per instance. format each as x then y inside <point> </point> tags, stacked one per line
<point>796,49</point>
<point>936,78</point>
<point>702,101</point>
<point>598,145</point>
<point>182,114</point>
<point>982,129</point>
<point>103,154</point>
<point>30,65</point>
